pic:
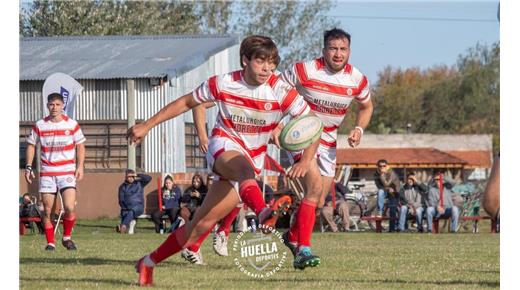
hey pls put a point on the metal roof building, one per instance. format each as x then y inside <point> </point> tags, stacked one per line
<point>163,67</point>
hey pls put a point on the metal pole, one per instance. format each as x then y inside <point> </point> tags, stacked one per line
<point>130,111</point>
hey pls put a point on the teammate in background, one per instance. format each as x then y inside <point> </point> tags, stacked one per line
<point>251,104</point>
<point>59,136</point>
<point>329,84</point>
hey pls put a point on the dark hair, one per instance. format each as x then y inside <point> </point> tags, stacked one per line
<point>166,178</point>
<point>129,171</point>
<point>54,96</point>
<point>258,46</point>
<point>382,161</point>
<point>410,174</point>
<point>334,33</point>
<point>202,184</point>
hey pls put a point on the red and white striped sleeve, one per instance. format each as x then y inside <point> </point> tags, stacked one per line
<point>78,135</point>
<point>290,76</point>
<point>34,135</point>
<point>292,103</point>
<point>364,90</point>
<point>207,91</point>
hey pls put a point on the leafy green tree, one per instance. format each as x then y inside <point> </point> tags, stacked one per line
<point>296,26</point>
<point>463,99</point>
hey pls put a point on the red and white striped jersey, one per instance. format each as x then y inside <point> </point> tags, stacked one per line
<point>328,94</point>
<point>248,114</point>
<point>58,145</point>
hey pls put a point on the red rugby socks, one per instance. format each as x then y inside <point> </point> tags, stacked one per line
<point>68,223</point>
<point>196,246</point>
<point>172,245</point>
<point>225,223</point>
<point>251,195</point>
<point>306,218</point>
<point>49,233</point>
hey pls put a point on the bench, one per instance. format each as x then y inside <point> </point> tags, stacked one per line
<point>24,220</point>
<point>378,220</point>
<point>435,226</point>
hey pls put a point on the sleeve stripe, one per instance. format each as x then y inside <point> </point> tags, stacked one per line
<point>212,82</point>
<point>289,100</point>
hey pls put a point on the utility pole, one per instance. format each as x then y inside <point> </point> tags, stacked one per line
<point>130,111</point>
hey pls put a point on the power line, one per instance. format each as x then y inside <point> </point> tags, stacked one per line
<point>415,18</point>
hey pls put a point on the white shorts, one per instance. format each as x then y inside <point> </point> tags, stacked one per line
<point>218,145</point>
<point>326,160</point>
<point>51,184</point>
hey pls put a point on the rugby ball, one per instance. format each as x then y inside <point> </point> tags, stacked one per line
<point>301,132</point>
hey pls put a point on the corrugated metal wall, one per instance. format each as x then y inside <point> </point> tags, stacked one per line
<point>220,63</point>
<point>106,100</point>
<point>30,100</point>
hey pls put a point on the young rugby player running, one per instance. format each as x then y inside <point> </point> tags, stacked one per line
<point>251,104</point>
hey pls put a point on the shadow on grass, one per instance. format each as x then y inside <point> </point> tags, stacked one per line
<point>83,261</point>
<point>304,280</point>
<point>98,261</point>
<point>112,227</point>
<point>96,226</point>
<point>81,280</point>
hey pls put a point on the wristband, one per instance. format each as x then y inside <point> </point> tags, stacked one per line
<point>360,129</point>
<point>28,167</point>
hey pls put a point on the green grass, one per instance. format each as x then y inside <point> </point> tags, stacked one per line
<point>105,260</point>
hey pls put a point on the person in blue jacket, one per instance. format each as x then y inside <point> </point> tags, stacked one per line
<point>171,195</point>
<point>131,199</point>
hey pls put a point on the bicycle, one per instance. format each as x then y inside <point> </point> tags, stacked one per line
<point>360,204</point>
<point>471,207</point>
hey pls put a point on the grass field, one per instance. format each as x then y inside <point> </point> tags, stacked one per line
<point>105,260</point>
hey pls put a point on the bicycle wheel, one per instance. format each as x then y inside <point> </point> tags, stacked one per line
<point>355,213</point>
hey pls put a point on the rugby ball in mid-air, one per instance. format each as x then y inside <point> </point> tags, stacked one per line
<point>301,132</point>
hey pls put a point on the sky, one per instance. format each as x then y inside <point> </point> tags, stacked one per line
<point>414,33</point>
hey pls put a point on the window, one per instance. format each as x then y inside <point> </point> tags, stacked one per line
<point>195,159</point>
<point>106,145</point>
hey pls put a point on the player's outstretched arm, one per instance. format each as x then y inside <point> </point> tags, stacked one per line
<point>80,160</point>
<point>137,133</point>
<point>29,156</point>
<point>199,117</point>
<point>363,118</point>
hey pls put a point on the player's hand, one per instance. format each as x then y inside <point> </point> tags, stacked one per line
<point>354,137</point>
<point>299,169</point>
<point>203,144</point>
<point>440,209</point>
<point>29,175</point>
<point>275,136</point>
<point>137,133</point>
<point>79,173</point>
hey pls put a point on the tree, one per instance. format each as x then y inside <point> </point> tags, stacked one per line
<point>296,26</point>
<point>463,99</point>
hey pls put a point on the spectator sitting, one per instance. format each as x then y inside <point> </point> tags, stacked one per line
<point>29,209</point>
<point>131,199</point>
<point>435,210</point>
<point>171,195</point>
<point>413,199</point>
<point>327,212</point>
<point>388,185</point>
<point>193,197</point>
